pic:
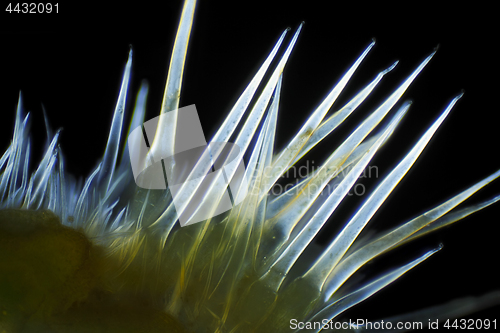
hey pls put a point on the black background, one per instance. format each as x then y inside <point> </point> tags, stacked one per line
<point>72,62</point>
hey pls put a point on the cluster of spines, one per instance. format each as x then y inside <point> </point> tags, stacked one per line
<point>236,271</point>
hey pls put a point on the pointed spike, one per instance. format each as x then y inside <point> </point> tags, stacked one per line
<point>47,127</point>
<point>108,164</point>
<point>19,112</point>
<point>137,120</point>
<point>164,139</point>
